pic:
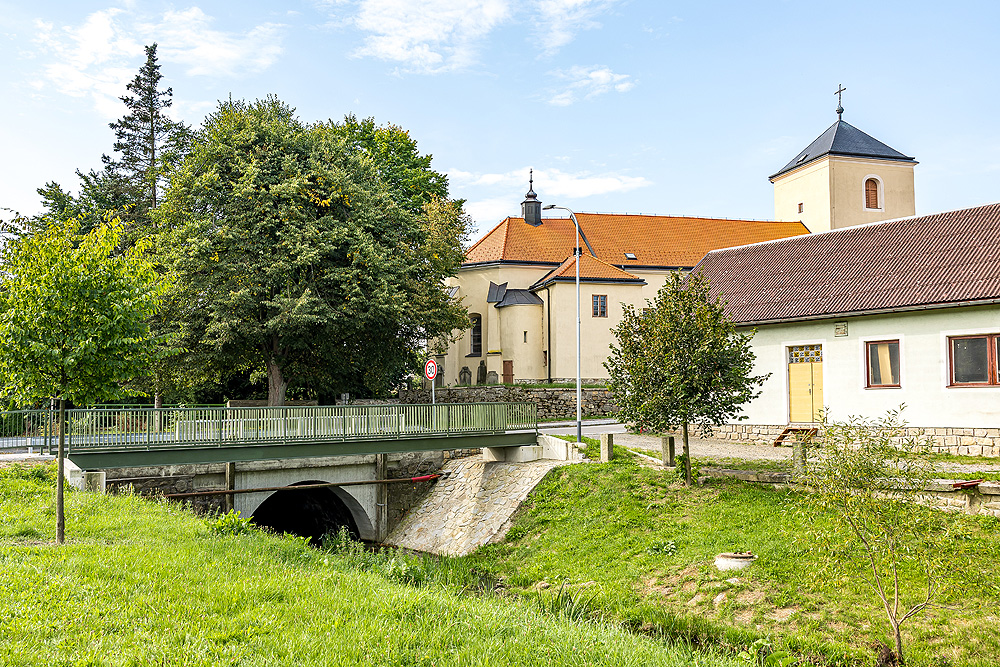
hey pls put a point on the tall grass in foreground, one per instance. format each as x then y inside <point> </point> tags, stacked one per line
<point>145,583</point>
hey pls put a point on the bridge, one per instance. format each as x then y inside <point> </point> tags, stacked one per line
<point>127,437</point>
<point>341,456</point>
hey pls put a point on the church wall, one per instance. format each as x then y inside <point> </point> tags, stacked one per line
<point>474,286</point>
<point>522,338</point>
<point>809,185</point>
<point>924,371</point>
<point>847,184</point>
<point>596,336</point>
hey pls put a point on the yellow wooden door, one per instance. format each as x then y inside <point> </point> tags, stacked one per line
<point>805,383</point>
<point>817,390</point>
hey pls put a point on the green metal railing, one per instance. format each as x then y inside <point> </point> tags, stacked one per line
<point>27,429</point>
<point>136,429</point>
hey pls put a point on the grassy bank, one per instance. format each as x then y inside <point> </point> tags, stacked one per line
<point>147,583</point>
<point>633,544</point>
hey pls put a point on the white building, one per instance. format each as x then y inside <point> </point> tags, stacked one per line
<point>860,320</point>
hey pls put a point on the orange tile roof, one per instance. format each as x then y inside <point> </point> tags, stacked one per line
<point>656,240</point>
<point>591,269</point>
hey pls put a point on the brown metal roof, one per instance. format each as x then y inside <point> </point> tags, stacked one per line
<point>928,261</point>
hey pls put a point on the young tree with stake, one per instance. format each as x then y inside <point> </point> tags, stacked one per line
<point>74,314</point>
<point>681,362</point>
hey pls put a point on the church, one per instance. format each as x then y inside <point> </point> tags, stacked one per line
<point>518,280</point>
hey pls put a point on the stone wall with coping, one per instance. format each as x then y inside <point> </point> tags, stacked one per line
<point>959,441</point>
<point>939,493</point>
<point>552,403</point>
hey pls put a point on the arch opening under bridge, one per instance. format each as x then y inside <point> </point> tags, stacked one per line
<point>313,513</point>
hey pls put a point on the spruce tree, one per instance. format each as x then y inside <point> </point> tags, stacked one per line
<point>148,142</point>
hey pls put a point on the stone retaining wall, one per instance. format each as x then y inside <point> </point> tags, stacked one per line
<point>983,499</point>
<point>960,441</point>
<point>552,403</point>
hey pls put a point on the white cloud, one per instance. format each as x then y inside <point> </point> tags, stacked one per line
<point>186,37</point>
<point>588,82</point>
<point>502,193</point>
<point>431,35</point>
<point>560,20</point>
<point>98,57</point>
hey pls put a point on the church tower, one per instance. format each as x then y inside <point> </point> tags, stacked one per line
<point>844,178</point>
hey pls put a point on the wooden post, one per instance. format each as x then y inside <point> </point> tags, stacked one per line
<point>799,455</point>
<point>667,447</point>
<point>230,485</point>
<point>607,447</point>
<point>381,498</point>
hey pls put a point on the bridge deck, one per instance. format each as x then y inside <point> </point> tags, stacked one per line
<point>110,437</point>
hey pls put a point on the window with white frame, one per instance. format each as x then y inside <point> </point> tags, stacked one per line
<point>873,196</point>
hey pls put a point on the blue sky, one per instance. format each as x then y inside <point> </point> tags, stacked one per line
<point>619,105</point>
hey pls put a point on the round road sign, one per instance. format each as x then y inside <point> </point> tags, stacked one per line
<point>430,369</point>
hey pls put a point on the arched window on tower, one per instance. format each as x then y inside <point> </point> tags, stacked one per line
<point>872,194</point>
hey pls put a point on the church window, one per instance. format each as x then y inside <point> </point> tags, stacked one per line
<point>883,363</point>
<point>600,305</point>
<point>801,206</point>
<point>476,347</point>
<point>872,194</point>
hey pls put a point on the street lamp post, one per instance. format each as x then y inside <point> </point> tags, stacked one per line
<point>577,256</point>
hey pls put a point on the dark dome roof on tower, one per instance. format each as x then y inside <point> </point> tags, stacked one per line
<point>842,138</point>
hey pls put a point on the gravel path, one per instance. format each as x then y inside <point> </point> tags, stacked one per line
<point>708,448</point>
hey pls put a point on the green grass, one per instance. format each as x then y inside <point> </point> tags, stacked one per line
<point>149,583</point>
<point>641,548</point>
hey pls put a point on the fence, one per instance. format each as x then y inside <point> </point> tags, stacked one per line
<point>30,430</point>
<point>116,429</point>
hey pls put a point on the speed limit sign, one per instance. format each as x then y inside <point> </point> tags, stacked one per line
<point>431,372</point>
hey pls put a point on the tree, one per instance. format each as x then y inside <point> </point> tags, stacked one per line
<point>148,142</point>
<point>306,270</point>
<point>410,182</point>
<point>74,317</point>
<point>681,362</point>
<point>869,474</point>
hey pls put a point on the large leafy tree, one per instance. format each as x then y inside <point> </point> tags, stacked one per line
<point>392,152</point>
<point>74,314</point>
<point>681,362</point>
<point>299,258</point>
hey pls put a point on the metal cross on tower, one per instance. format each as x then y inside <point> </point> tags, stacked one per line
<point>840,107</point>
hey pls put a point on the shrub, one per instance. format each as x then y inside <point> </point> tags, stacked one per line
<point>230,523</point>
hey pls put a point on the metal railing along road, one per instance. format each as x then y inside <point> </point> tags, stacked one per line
<point>31,430</point>
<point>129,429</point>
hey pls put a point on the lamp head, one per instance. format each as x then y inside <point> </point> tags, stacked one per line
<point>549,207</point>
